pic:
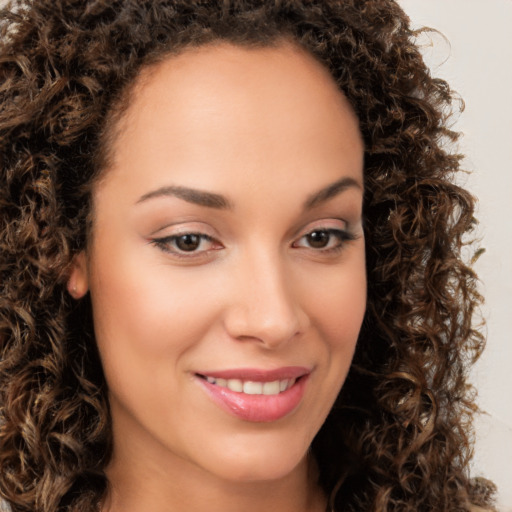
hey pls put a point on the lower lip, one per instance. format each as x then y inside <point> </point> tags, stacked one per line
<point>257,408</point>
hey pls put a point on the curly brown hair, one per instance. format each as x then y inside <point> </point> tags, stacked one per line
<point>399,436</point>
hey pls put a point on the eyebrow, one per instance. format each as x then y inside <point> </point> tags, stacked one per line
<point>218,201</point>
<point>331,191</point>
<point>191,195</point>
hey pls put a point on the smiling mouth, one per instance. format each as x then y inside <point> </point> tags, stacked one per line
<point>256,395</point>
<point>250,387</point>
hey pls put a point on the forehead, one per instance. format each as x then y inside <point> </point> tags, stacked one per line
<point>221,105</point>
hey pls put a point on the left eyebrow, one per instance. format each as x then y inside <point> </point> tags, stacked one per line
<point>331,191</point>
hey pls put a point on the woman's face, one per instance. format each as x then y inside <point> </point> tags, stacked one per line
<point>226,266</point>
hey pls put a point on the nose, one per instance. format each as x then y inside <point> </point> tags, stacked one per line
<point>265,305</point>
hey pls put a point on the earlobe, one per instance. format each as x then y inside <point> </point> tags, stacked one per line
<point>78,282</point>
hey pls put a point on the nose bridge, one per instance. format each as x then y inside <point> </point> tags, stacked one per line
<point>265,306</point>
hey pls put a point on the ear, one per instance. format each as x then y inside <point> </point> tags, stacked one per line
<point>78,281</point>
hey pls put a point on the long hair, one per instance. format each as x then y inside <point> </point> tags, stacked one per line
<point>399,435</point>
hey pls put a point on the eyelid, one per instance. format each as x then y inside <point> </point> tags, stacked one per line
<point>182,226</point>
<point>342,234</point>
<point>323,224</point>
<point>337,228</point>
<point>171,233</point>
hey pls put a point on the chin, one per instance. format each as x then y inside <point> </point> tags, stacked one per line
<point>259,462</point>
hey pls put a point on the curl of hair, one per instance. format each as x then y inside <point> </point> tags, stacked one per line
<point>399,435</point>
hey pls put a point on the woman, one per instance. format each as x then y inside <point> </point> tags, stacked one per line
<point>231,261</point>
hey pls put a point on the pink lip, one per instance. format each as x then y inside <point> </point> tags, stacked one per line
<point>257,408</point>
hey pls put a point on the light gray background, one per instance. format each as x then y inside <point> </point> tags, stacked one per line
<point>477,62</point>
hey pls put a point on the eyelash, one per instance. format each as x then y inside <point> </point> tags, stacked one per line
<point>165,243</point>
<point>341,235</point>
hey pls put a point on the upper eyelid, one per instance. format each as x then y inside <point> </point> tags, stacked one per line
<point>333,231</point>
<point>179,229</point>
<point>164,244</point>
<point>183,228</point>
<point>199,227</point>
<point>174,236</point>
<point>331,223</point>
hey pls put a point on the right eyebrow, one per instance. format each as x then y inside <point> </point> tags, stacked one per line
<point>191,195</point>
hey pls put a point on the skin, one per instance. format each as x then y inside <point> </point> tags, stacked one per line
<point>266,129</point>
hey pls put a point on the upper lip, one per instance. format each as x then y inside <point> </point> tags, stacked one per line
<point>258,374</point>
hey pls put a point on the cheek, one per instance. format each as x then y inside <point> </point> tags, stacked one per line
<point>146,317</point>
<point>338,306</point>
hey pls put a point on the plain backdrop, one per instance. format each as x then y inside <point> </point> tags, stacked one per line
<point>475,57</point>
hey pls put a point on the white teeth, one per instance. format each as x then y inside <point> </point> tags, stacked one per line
<point>235,385</point>
<point>253,388</point>
<point>250,387</point>
<point>271,388</point>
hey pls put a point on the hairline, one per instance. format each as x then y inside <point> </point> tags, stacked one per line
<point>117,111</point>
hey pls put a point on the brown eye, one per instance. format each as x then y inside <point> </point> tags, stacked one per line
<point>324,240</point>
<point>188,242</point>
<point>318,239</point>
<point>187,245</point>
